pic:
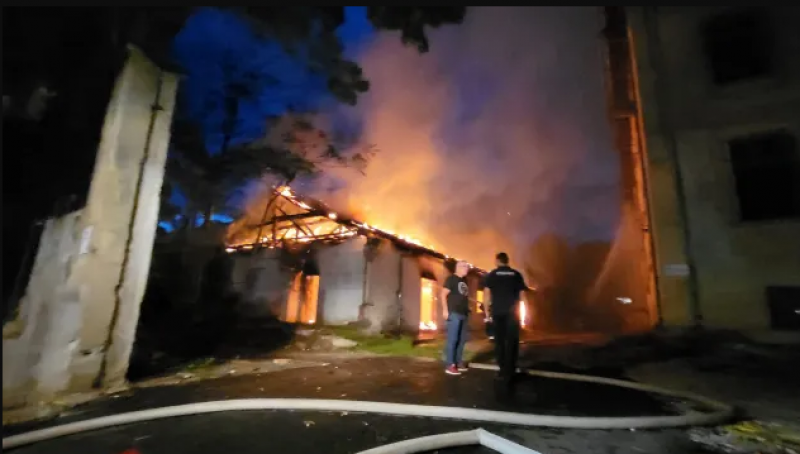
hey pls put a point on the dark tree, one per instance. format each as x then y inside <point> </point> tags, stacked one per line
<point>69,58</point>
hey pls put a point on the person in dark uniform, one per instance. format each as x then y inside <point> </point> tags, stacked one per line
<point>503,289</point>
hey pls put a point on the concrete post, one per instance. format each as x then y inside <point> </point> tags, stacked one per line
<point>120,219</point>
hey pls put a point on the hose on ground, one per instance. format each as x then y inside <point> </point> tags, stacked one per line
<point>432,443</point>
<point>719,412</point>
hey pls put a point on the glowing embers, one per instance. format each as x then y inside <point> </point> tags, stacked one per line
<point>404,238</point>
<point>427,305</point>
<point>302,299</point>
<point>285,191</point>
<point>523,314</point>
<point>313,229</point>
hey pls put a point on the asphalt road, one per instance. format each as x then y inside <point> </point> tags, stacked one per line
<point>253,432</point>
<point>260,432</point>
<point>378,379</point>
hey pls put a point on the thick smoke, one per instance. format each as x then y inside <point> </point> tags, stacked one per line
<point>497,136</point>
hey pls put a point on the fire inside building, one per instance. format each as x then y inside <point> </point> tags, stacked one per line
<point>304,263</point>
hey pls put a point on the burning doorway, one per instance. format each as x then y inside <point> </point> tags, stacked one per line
<point>302,300</point>
<point>427,305</point>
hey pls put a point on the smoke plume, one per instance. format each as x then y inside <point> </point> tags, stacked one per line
<point>497,136</point>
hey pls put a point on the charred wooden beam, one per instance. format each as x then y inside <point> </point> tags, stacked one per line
<point>299,227</point>
<point>292,217</point>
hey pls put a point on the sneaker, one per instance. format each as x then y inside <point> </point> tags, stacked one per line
<point>462,367</point>
<point>452,370</point>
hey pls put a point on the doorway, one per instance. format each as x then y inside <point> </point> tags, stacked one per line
<point>302,299</point>
<point>427,305</point>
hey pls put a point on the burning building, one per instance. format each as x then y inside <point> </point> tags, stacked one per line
<point>302,262</point>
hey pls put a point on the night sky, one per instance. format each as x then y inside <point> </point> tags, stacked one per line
<point>212,37</point>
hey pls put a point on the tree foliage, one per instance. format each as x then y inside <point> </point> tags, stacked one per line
<point>311,29</point>
<point>293,144</point>
<point>308,32</point>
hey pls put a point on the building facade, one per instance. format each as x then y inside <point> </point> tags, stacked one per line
<point>717,95</point>
<point>301,262</point>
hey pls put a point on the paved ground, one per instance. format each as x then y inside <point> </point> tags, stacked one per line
<point>305,433</point>
<point>393,380</point>
<point>379,379</point>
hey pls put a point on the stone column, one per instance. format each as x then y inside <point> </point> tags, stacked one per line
<point>120,219</point>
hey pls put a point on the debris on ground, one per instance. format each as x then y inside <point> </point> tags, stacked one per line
<point>749,437</point>
<point>337,342</point>
<point>219,369</point>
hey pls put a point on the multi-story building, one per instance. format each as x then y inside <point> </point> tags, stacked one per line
<point>707,101</point>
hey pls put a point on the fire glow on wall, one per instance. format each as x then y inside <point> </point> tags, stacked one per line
<point>522,310</point>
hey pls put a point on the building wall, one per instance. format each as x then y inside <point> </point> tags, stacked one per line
<point>383,284</point>
<point>411,293</point>
<point>39,344</point>
<point>341,277</point>
<point>265,287</point>
<point>262,283</point>
<point>688,122</point>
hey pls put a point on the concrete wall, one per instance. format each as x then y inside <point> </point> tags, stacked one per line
<point>265,288</point>
<point>262,283</point>
<point>120,219</point>
<point>383,283</point>
<point>411,293</point>
<point>686,116</point>
<point>341,280</point>
<point>82,303</point>
<point>38,345</point>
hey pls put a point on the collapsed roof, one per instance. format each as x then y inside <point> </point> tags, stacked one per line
<point>291,219</point>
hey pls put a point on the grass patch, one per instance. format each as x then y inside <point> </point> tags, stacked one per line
<point>391,345</point>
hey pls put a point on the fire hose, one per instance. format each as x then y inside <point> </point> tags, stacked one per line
<point>719,412</point>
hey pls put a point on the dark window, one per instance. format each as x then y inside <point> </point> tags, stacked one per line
<point>766,169</point>
<point>784,308</point>
<point>738,46</point>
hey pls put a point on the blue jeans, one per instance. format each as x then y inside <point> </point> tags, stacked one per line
<point>456,338</point>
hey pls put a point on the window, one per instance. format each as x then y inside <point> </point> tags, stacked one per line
<point>766,169</point>
<point>784,308</point>
<point>738,46</point>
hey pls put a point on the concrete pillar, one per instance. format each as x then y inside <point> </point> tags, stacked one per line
<point>676,292</point>
<point>120,218</point>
